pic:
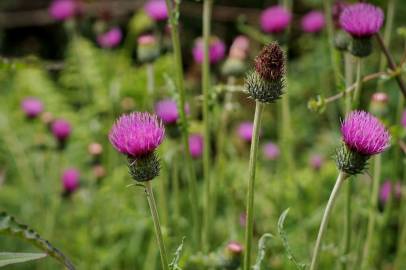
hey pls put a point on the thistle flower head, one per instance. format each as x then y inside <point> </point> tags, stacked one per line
<point>271,151</point>
<point>364,133</point>
<point>70,180</point>
<point>196,145</point>
<point>95,149</point>
<point>156,9</point>
<point>275,19</point>
<point>111,38</point>
<point>245,130</point>
<point>137,134</point>
<point>390,189</point>
<point>61,129</point>
<point>313,22</point>
<point>235,248</point>
<point>362,20</point>
<point>32,107</point>
<point>316,161</point>
<point>270,63</point>
<point>217,50</point>
<point>62,9</point>
<point>148,48</point>
<point>167,110</point>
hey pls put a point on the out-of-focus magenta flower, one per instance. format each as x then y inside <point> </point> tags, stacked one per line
<point>245,130</point>
<point>313,22</point>
<point>32,107</point>
<point>316,161</point>
<point>70,180</point>
<point>137,134</point>
<point>364,133</point>
<point>379,101</point>
<point>148,48</point>
<point>404,119</point>
<point>196,145</point>
<point>234,248</point>
<point>63,9</point>
<point>95,149</point>
<point>388,189</point>
<point>146,40</point>
<point>156,9</point>
<point>167,110</point>
<point>239,48</point>
<point>217,50</point>
<point>271,151</point>
<point>275,19</point>
<point>337,9</point>
<point>61,129</point>
<point>243,219</point>
<point>111,38</point>
<point>362,20</point>
<point>380,97</point>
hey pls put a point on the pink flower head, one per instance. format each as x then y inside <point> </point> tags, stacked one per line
<point>271,151</point>
<point>362,20</point>
<point>146,40</point>
<point>235,248</point>
<point>364,133</point>
<point>389,189</point>
<point>111,38</point>
<point>70,180</point>
<point>217,50</point>
<point>137,134</point>
<point>313,22</point>
<point>245,130</point>
<point>239,48</point>
<point>275,19</point>
<point>380,97</point>
<point>404,119</point>
<point>196,145</point>
<point>167,110</point>
<point>316,161</point>
<point>62,9</point>
<point>61,129</point>
<point>32,107</point>
<point>156,9</point>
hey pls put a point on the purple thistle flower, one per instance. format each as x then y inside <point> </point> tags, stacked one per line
<point>137,134</point>
<point>275,19</point>
<point>389,189</point>
<point>61,129</point>
<point>146,39</point>
<point>167,110</point>
<point>156,9</point>
<point>313,22</point>
<point>316,161</point>
<point>62,9</point>
<point>70,180</point>
<point>196,145</point>
<point>234,248</point>
<point>403,121</point>
<point>362,20</point>
<point>111,38</point>
<point>32,107</point>
<point>364,133</point>
<point>217,50</point>
<point>245,130</point>
<point>380,97</point>
<point>271,151</point>
<point>239,48</point>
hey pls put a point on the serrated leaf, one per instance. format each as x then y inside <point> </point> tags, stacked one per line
<point>261,251</point>
<point>7,258</point>
<point>9,226</point>
<point>174,265</point>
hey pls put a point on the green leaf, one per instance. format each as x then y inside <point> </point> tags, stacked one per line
<point>7,258</point>
<point>261,251</point>
<point>174,264</point>
<point>9,226</point>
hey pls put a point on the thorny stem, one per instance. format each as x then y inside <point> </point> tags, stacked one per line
<point>177,54</point>
<point>251,184</point>
<point>340,179</point>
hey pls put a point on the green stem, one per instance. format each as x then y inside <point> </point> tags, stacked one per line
<point>357,91</point>
<point>347,233</point>
<point>207,7</point>
<point>150,78</point>
<point>372,211</point>
<point>157,225</point>
<point>176,193</point>
<point>177,53</point>
<point>249,229</point>
<point>340,179</point>
<point>348,79</point>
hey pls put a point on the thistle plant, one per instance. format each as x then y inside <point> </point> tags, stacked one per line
<point>363,136</point>
<point>264,84</point>
<point>147,52</point>
<point>137,135</point>
<point>32,107</point>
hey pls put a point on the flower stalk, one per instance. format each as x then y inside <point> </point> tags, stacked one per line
<point>357,92</point>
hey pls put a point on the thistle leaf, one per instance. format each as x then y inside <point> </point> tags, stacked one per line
<point>261,251</point>
<point>174,264</point>
<point>7,258</point>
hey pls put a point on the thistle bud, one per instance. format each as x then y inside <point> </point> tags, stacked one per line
<point>379,103</point>
<point>148,49</point>
<point>266,82</point>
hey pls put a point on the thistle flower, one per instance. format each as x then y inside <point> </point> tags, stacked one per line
<point>196,145</point>
<point>361,21</point>
<point>157,10</point>
<point>62,10</point>
<point>379,102</point>
<point>217,50</point>
<point>148,48</point>
<point>389,189</point>
<point>70,180</point>
<point>32,107</point>
<point>363,136</point>
<point>266,82</point>
<point>275,19</point>
<point>233,255</point>
<point>61,129</point>
<point>271,151</point>
<point>316,162</point>
<point>137,135</point>
<point>95,149</point>
<point>111,38</point>
<point>313,22</point>
<point>234,64</point>
<point>403,121</point>
<point>245,130</point>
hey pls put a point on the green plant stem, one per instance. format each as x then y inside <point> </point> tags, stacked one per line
<point>340,179</point>
<point>177,53</point>
<point>348,79</point>
<point>249,229</point>
<point>207,7</point>
<point>176,193</point>
<point>357,91</point>
<point>157,225</point>
<point>347,229</point>
<point>372,211</point>
<point>150,78</point>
